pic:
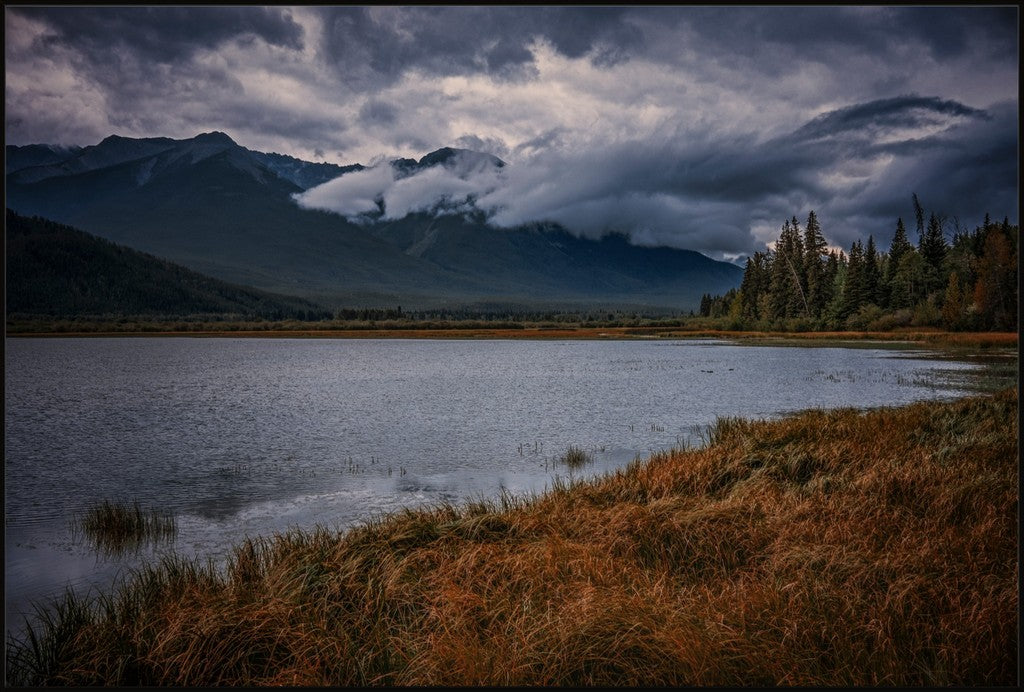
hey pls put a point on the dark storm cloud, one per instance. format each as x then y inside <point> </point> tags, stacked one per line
<point>701,127</point>
<point>376,112</point>
<point>377,45</point>
<point>744,172</point>
<point>806,32</point>
<point>898,112</point>
<point>162,34</point>
<point>144,68</point>
<point>950,31</point>
<point>962,161</point>
<point>707,194</point>
<point>967,171</point>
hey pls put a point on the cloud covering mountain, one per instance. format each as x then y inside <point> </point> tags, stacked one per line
<point>230,212</point>
<point>700,127</point>
<point>697,193</point>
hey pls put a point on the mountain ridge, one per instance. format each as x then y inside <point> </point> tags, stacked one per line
<point>229,212</point>
<point>56,270</point>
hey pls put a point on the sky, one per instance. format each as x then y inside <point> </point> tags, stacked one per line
<point>702,127</point>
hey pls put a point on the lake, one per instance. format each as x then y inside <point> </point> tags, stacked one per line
<point>254,436</point>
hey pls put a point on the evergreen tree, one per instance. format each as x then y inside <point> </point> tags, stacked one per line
<point>933,250</point>
<point>871,274</point>
<point>756,283</point>
<point>748,291</point>
<point>720,306</point>
<point>853,289</point>
<point>969,283</point>
<point>814,268</point>
<point>786,287</point>
<point>777,295</point>
<point>831,272</point>
<point>961,257</point>
<point>899,246</point>
<point>837,267</point>
<point>908,282</point>
<point>705,305</point>
<point>797,304</point>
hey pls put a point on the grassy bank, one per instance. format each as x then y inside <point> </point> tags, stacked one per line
<point>837,548</point>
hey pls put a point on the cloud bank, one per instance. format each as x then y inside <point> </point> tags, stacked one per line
<point>857,167</point>
<point>700,127</point>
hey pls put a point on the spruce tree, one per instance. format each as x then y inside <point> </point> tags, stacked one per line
<point>853,289</point>
<point>788,299</point>
<point>756,280</point>
<point>899,246</point>
<point>933,250</point>
<point>814,268</point>
<point>831,272</point>
<point>836,268</point>
<point>908,281</point>
<point>705,305</point>
<point>871,275</point>
<point>748,291</point>
<point>782,270</point>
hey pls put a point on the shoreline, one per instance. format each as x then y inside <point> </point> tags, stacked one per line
<point>827,548</point>
<point>927,337</point>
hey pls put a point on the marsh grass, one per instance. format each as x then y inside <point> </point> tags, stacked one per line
<point>118,527</point>
<point>828,549</point>
<point>575,457</point>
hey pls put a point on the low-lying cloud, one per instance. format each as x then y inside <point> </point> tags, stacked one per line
<point>857,167</point>
<point>382,192</point>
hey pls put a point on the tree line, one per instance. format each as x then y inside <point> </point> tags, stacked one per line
<point>966,284</point>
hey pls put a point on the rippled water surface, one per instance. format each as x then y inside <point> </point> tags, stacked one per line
<point>251,436</point>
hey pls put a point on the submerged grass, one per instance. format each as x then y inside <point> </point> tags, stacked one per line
<point>117,527</point>
<point>575,457</point>
<point>838,548</point>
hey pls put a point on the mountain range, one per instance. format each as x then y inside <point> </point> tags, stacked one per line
<point>229,212</point>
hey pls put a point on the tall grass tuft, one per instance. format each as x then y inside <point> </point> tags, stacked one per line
<point>827,549</point>
<point>575,457</point>
<point>117,527</point>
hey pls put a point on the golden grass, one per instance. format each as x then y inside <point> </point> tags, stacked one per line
<point>838,548</point>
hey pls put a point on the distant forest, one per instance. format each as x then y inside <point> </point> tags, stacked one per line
<point>969,284</point>
<point>59,271</point>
